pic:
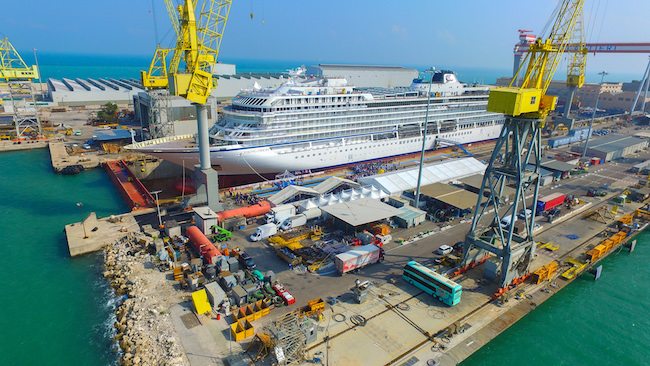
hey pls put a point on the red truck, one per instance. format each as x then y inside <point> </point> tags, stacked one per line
<point>550,202</point>
<point>284,294</point>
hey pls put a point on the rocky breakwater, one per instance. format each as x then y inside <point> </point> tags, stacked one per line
<point>144,328</point>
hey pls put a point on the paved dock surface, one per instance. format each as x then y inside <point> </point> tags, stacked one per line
<point>61,159</point>
<point>93,234</point>
<point>22,145</point>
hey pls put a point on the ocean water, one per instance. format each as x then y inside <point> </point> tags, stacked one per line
<point>58,65</point>
<point>55,310</point>
<point>589,322</point>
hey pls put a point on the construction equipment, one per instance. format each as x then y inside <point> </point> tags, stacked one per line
<point>360,290</point>
<point>220,234</point>
<point>548,246</point>
<point>314,308</point>
<point>578,59</point>
<point>17,77</point>
<point>198,40</point>
<point>517,156</point>
<point>292,239</point>
<point>545,273</point>
<point>576,267</point>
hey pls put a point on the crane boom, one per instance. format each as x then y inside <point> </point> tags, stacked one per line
<point>540,62</point>
<point>173,16</point>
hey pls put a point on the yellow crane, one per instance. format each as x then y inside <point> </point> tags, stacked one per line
<point>188,73</point>
<point>516,158</point>
<point>12,65</point>
<point>198,40</point>
<point>17,76</point>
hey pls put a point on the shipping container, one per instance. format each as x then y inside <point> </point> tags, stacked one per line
<point>357,258</point>
<point>550,201</point>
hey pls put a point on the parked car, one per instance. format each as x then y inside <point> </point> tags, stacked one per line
<point>444,250</point>
<point>524,214</point>
<point>505,221</point>
<point>247,260</point>
<point>596,193</point>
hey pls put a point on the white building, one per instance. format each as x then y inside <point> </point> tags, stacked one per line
<point>89,91</point>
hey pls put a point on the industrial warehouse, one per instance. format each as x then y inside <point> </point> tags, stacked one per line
<point>330,214</point>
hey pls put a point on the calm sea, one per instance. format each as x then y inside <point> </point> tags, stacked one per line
<point>55,310</point>
<point>58,311</point>
<point>55,65</point>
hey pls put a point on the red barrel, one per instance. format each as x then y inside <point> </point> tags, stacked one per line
<point>203,245</point>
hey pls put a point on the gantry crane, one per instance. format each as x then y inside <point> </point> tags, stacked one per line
<point>199,31</point>
<point>579,51</point>
<point>516,158</point>
<point>17,77</point>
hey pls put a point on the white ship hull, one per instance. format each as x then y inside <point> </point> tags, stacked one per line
<point>313,156</point>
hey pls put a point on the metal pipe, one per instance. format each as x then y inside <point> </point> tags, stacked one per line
<point>424,141</point>
<point>203,136</point>
<point>593,115</point>
<point>160,224</point>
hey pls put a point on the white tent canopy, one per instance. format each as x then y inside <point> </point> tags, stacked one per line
<point>403,180</point>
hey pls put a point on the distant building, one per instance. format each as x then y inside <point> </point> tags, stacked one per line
<point>366,75</point>
<point>92,91</point>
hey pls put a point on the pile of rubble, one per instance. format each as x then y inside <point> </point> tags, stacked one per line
<point>144,328</point>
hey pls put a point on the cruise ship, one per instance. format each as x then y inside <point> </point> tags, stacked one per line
<point>315,124</point>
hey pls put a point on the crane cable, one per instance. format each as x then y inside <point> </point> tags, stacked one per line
<point>155,22</point>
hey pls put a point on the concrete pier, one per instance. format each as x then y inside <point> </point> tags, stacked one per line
<point>61,159</point>
<point>92,234</point>
<point>22,145</point>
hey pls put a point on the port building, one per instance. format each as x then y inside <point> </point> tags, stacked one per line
<point>90,91</point>
<point>613,147</point>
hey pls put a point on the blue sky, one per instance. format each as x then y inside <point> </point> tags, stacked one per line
<point>470,33</point>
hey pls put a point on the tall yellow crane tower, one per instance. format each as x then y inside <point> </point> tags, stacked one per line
<point>516,158</point>
<point>187,73</point>
<point>16,77</point>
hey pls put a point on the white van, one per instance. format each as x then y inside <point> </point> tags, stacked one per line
<point>505,221</point>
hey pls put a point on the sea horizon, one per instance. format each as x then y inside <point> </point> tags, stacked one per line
<point>59,65</point>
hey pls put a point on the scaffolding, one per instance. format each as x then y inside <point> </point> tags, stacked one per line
<point>25,115</point>
<point>160,121</point>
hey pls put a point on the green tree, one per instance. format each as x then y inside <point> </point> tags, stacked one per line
<point>108,113</point>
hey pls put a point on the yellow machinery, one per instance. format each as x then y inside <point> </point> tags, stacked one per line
<point>12,65</point>
<point>517,156</point>
<point>545,273</point>
<point>530,100</point>
<point>576,268</point>
<point>292,239</point>
<point>548,246</point>
<point>17,76</point>
<point>197,46</point>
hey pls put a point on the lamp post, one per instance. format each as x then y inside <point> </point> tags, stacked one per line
<point>80,205</point>
<point>424,140</point>
<point>160,224</point>
<point>593,115</point>
<point>40,81</point>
